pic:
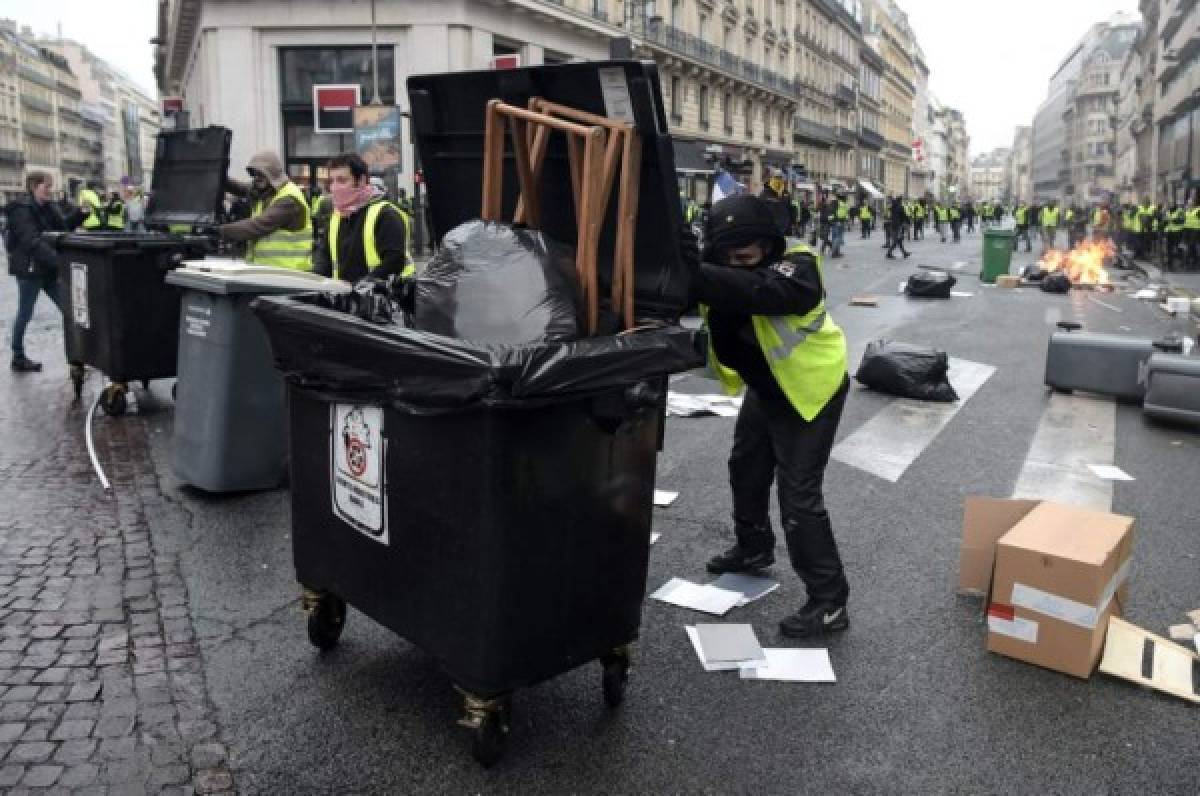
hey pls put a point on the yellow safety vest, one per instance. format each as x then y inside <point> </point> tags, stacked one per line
<point>806,353</point>
<point>370,250</point>
<point>117,220</point>
<point>843,211</point>
<point>1193,219</point>
<point>88,196</point>
<point>1176,221</point>
<point>1049,216</point>
<point>284,248</point>
<point>864,213</point>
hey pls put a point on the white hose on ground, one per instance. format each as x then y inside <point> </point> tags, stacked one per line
<point>91,445</point>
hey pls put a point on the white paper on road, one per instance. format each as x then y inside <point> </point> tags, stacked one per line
<point>730,666</point>
<point>729,643</point>
<point>749,586</point>
<point>888,443</point>
<point>663,497</point>
<point>684,405</point>
<point>1075,430</point>
<point>1146,293</point>
<point>697,597</point>
<point>961,293</point>
<point>654,537</point>
<point>793,666</point>
<point>1110,472</point>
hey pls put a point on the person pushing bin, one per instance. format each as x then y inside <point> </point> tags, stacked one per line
<point>764,305</point>
<point>366,234</point>
<point>279,230</point>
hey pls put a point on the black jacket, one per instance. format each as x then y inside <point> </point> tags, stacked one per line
<point>390,242</point>
<point>899,214</point>
<point>29,255</point>
<point>791,286</point>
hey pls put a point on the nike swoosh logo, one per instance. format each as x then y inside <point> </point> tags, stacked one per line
<point>833,617</point>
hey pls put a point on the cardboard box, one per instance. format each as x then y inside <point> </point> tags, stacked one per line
<point>1051,574</point>
<point>1006,280</point>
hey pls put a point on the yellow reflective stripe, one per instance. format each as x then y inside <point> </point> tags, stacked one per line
<point>335,223</point>
<point>369,248</point>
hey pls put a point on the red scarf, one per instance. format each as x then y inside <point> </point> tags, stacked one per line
<point>347,202</point>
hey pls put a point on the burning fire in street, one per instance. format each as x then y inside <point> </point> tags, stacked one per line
<point>1083,265</point>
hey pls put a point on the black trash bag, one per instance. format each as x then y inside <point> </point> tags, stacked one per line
<point>1033,273</point>
<point>369,299</point>
<point>496,284</point>
<point>906,370</point>
<point>930,284</point>
<point>1056,282</point>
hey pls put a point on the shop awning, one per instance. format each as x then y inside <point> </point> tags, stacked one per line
<point>870,188</point>
<point>690,159</point>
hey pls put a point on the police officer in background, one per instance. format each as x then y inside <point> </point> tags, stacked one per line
<point>92,206</point>
<point>367,235</point>
<point>764,305</point>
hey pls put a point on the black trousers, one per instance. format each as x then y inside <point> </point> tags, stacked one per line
<point>896,239</point>
<point>772,442</point>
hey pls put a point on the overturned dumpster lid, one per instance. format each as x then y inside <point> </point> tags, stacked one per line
<point>448,113</point>
<point>188,184</point>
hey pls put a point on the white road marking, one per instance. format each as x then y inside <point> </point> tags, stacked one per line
<point>888,443</point>
<point>1075,430</point>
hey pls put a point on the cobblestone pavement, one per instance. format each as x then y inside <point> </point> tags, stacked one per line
<point>102,688</point>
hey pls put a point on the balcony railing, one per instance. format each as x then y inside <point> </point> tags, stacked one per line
<point>684,43</point>
<point>806,128</point>
<point>844,94</point>
<point>846,135</point>
<point>37,103</point>
<point>14,156</point>
<point>38,130</point>
<point>871,139</point>
<point>37,77</point>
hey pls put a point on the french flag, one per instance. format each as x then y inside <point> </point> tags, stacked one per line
<point>725,185</point>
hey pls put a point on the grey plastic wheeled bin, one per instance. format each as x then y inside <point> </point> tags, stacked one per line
<point>230,408</point>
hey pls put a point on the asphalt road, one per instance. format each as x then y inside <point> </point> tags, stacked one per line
<point>919,705</point>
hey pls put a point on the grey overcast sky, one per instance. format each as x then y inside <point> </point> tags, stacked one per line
<point>119,31</point>
<point>993,60</point>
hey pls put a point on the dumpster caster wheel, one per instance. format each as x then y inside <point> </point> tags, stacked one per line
<point>615,676</point>
<point>489,720</point>
<point>175,391</point>
<point>112,400</point>
<point>77,376</point>
<point>325,622</point>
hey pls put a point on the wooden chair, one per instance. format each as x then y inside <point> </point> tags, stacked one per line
<point>596,146</point>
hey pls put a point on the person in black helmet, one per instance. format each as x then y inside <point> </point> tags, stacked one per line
<point>769,330</point>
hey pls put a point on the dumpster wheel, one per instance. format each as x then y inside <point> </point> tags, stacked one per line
<point>489,721</point>
<point>326,618</point>
<point>112,400</point>
<point>615,677</point>
<point>78,374</point>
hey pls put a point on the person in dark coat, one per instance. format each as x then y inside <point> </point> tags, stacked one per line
<point>32,259</point>
<point>897,220</point>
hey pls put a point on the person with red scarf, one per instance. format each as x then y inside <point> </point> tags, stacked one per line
<point>366,235</point>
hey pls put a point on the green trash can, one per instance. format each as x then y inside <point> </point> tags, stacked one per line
<point>997,253</point>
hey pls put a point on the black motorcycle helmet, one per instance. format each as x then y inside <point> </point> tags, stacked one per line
<point>741,220</point>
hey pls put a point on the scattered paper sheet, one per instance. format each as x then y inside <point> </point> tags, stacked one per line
<point>1195,617</point>
<point>697,597</point>
<point>793,666</point>
<point>716,667</point>
<point>654,537</point>
<point>729,643</point>
<point>664,498</point>
<point>961,293</point>
<point>1146,293</point>
<point>684,405</point>
<point>1181,632</point>
<point>1110,473</point>
<point>750,587</point>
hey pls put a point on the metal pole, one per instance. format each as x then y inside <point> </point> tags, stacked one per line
<point>374,60</point>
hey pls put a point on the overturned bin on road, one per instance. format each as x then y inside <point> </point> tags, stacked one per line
<point>490,502</point>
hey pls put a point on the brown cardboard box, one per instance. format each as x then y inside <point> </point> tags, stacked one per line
<point>1006,280</point>
<point>1053,575</point>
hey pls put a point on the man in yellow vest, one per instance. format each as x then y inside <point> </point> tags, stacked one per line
<point>92,206</point>
<point>367,235</point>
<point>279,230</point>
<point>1176,220</point>
<point>1021,219</point>
<point>764,305</point>
<point>114,218</point>
<point>1048,221</point>
<point>1191,232</point>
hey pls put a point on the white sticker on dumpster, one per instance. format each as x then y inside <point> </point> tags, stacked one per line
<point>356,475</point>
<point>79,295</point>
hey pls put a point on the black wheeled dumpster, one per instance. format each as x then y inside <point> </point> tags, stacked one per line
<point>491,503</point>
<point>119,315</point>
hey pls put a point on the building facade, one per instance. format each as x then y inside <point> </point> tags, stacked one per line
<point>958,144</point>
<point>42,125</point>
<point>1020,183</point>
<point>922,176</point>
<point>988,180</point>
<point>1089,115</point>
<point>889,33</point>
<point>1177,101</point>
<point>870,106</point>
